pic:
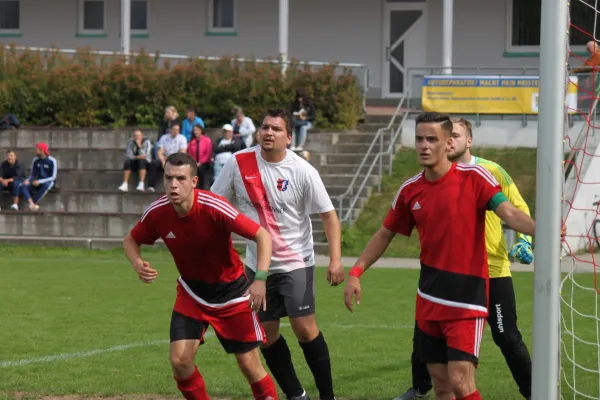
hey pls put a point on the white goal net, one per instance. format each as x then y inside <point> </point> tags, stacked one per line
<point>580,312</point>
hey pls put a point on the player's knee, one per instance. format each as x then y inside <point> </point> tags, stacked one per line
<point>251,366</point>
<point>442,388</point>
<point>181,362</point>
<point>461,380</point>
<point>305,328</point>
<point>507,340</point>
<point>271,332</point>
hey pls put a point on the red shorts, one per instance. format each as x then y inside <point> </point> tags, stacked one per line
<point>235,325</point>
<point>441,341</point>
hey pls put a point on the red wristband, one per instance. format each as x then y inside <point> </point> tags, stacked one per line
<point>356,271</point>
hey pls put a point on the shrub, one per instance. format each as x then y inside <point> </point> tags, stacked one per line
<point>88,90</point>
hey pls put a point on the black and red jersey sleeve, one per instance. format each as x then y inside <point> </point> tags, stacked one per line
<point>485,186</point>
<point>400,219</point>
<point>229,217</point>
<point>144,232</point>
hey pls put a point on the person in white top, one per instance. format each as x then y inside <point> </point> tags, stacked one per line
<point>169,143</point>
<point>277,188</point>
<point>243,126</point>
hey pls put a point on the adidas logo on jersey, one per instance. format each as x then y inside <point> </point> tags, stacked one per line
<point>170,235</point>
<point>416,206</point>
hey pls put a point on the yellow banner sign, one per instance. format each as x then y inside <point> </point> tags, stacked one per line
<point>461,94</point>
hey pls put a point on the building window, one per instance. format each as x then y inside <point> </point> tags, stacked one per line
<point>92,16</point>
<point>10,11</point>
<point>139,16</point>
<point>524,23</point>
<point>221,15</point>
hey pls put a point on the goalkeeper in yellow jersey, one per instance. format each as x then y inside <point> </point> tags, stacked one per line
<point>502,308</point>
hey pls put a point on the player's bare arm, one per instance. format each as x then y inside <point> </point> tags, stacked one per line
<point>377,245</point>
<point>142,268</point>
<point>516,219</point>
<point>258,289</point>
<point>333,231</point>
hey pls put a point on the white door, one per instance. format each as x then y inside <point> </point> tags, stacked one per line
<point>405,44</point>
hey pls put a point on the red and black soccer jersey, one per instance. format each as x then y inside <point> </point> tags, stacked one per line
<point>449,215</point>
<point>201,245</point>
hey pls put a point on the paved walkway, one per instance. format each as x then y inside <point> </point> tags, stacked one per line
<point>584,263</point>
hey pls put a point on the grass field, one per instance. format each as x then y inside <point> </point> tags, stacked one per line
<point>78,323</point>
<point>520,163</point>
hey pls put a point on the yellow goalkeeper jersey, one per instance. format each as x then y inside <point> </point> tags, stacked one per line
<point>499,264</point>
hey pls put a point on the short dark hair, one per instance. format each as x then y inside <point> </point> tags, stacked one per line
<point>191,109</point>
<point>10,151</point>
<point>283,114</point>
<point>179,159</point>
<point>436,118</point>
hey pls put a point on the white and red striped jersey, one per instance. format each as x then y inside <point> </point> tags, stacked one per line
<point>281,197</point>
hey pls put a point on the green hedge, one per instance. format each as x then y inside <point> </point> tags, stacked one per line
<point>85,90</point>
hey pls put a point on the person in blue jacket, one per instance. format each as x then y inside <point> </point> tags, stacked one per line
<point>187,125</point>
<point>43,176</point>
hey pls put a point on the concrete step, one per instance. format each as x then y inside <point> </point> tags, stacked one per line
<point>347,158</point>
<point>78,158</point>
<point>346,179</point>
<point>336,190</point>
<point>74,225</point>
<point>93,243</point>
<point>349,169</point>
<point>111,179</point>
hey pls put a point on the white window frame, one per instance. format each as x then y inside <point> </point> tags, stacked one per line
<point>14,31</point>
<point>210,20</point>
<point>142,31</point>
<point>81,18</point>
<point>510,48</point>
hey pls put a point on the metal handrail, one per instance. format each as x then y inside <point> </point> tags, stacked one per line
<point>379,136</point>
<point>377,159</point>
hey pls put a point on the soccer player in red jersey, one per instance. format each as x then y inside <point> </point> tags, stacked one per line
<point>213,289</point>
<point>447,203</point>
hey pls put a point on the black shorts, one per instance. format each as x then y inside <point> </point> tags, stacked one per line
<point>289,294</point>
<point>135,165</point>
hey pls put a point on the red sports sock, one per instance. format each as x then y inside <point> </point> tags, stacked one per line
<point>264,389</point>
<point>193,387</point>
<point>473,396</point>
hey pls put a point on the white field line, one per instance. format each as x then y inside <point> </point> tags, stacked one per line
<point>91,353</point>
<point>78,354</point>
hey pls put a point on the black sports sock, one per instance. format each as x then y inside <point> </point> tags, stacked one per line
<point>317,358</point>
<point>279,361</point>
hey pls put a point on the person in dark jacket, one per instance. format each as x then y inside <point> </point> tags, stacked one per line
<point>171,118</point>
<point>12,176</point>
<point>43,176</point>
<point>224,148</point>
<point>304,119</point>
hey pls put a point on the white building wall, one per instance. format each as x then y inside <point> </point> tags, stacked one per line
<point>320,30</point>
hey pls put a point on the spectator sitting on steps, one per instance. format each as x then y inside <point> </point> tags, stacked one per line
<point>224,148</point>
<point>243,127</point>
<point>168,144</point>
<point>201,147</point>
<point>188,124</point>
<point>138,156</point>
<point>43,176</point>
<point>304,118</point>
<point>12,176</point>
<point>171,118</point>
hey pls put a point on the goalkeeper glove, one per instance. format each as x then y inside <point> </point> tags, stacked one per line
<point>522,250</point>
